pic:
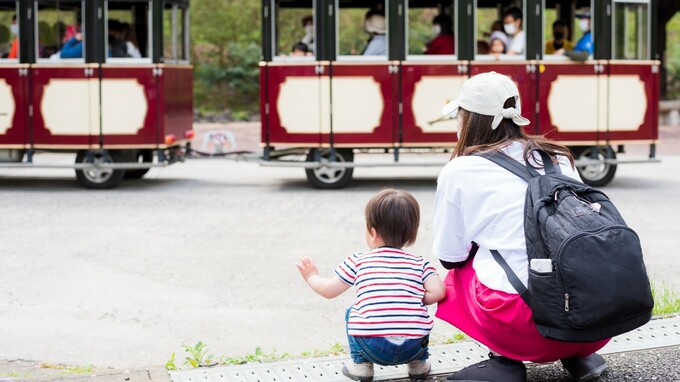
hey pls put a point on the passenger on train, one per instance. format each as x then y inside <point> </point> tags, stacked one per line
<point>300,49</point>
<point>374,25</point>
<point>308,39</point>
<point>512,24</point>
<point>498,43</point>
<point>14,50</point>
<point>73,48</point>
<point>59,31</point>
<point>443,42</point>
<point>585,43</point>
<point>483,47</point>
<point>131,41</point>
<point>117,45</point>
<point>559,44</point>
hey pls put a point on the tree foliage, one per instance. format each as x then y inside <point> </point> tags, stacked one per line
<point>226,51</point>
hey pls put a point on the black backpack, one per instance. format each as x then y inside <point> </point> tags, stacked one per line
<point>597,286</point>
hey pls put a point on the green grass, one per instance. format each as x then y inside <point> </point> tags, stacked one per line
<point>197,355</point>
<point>666,300</point>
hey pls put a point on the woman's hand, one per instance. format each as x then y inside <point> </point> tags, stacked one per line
<point>307,267</point>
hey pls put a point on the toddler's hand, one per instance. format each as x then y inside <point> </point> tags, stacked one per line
<point>307,267</point>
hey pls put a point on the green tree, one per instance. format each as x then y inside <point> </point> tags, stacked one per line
<point>226,50</point>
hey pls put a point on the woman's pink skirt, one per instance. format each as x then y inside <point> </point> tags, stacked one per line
<point>501,321</point>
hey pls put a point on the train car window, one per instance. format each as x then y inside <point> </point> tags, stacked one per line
<point>169,33</point>
<point>501,32</point>
<point>631,30</point>
<point>128,31</point>
<point>9,31</point>
<point>362,32</point>
<point>61,30</point>
<point>182,34</point>
<point>294,34</point>
<point>557,32</point>
<point>430,30</point>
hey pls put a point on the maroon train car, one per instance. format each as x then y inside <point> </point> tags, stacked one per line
<point>108,80</point>
<point>333,102</point>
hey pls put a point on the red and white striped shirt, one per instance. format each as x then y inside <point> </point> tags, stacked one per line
<point>389,293</point>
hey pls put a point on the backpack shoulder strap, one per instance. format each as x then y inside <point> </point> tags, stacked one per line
<point>512,277</point>
<point>548,165</point>
<point>497,157</point>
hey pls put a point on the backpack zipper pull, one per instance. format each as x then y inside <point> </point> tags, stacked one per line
<point>566,302</point>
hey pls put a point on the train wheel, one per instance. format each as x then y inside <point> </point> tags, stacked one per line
<point>596,175</point>
<point>97,178</point>
<point>141,156</point>
<point>329,177</point>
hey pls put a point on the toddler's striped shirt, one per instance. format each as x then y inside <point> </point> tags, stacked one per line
<point>389,293</point>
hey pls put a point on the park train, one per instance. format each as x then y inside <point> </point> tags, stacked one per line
<point>125,115</point>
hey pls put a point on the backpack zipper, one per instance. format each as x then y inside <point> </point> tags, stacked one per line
<point>566,302</point>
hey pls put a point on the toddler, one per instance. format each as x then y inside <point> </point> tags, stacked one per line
<point>388,323</point>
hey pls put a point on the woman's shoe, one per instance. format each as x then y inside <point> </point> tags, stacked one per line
<point>586,368</point>
<point>419,369</point>
<point>495,369</point>
<point>362,372</point>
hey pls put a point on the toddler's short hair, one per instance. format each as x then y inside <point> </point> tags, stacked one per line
<point>395,215</point>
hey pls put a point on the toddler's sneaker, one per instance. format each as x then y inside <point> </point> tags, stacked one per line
<point>419,369</point>
<point>362,372</point>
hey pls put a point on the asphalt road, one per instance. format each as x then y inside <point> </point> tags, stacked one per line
<point>205,250</point>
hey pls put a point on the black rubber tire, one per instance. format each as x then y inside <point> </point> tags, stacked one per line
<point>329,179</point>
<point>141,156</point>
<point>596,175</point>
<point>111,180</point>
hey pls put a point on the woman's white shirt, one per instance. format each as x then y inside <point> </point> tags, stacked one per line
<point>479,201</point>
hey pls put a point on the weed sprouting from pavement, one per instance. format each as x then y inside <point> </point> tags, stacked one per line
<point>197,356</point>
<point>68,369</point>
<point>335,349</point>
<point>170,365</point>
<point>458,337</point>
<point>259,356</point>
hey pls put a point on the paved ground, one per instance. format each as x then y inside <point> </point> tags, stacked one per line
<point>653,365</point>
<point>205,251</point>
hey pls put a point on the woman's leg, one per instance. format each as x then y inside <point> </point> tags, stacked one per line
<point>501,321</point>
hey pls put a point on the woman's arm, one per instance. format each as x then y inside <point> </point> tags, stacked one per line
<point>326,287</point>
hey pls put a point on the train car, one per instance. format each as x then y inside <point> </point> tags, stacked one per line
<point>109,80</point>
<point>341,96</point>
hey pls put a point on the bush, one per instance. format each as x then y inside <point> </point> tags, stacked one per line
<point>229,82</point>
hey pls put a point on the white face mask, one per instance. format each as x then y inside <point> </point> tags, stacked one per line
<point>458,134</point>
<point>309,30</point>
<point>584,25</point>
<point>15,29</point>
<point>436,30</point>
<point>509,28</point>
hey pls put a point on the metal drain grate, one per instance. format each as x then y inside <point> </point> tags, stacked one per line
<point>657,333</point>
<point>445,359</point>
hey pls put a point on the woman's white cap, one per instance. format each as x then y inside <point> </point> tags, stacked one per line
<point>486,94</point>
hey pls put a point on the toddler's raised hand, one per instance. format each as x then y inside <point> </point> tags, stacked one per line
<point>307,267</point>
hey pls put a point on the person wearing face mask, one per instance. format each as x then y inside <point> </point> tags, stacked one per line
<point>559,43</point>
<point>14,50</point>
<point>443,42</point>
<point>374,25</point>
<point>512,25</point>
<point>308,25</point>
<point>585,43</point>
